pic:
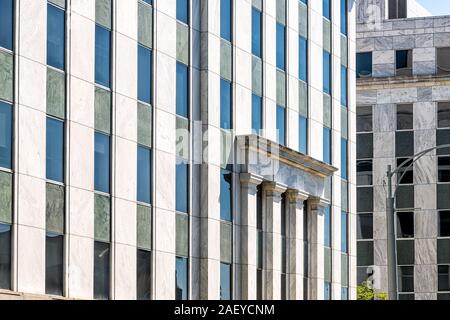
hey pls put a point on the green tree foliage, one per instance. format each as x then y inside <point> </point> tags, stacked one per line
<point>366,292</point>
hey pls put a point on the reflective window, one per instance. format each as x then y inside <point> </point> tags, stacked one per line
<point>281,46</point>
<point>327,291</point>
<point>5,256</point>
<point>102,56</point>
<point>344,293</point>
<point>225,19</point>
<point>327,145</point>
<point>144,74</point>
<point>364,197</point>
<point>281,125</point>
<point>327,227</point>
<point>344,161</point>
<point>444,114</point>
<point>443,61</point>
<point>344,232</point>
<point>444,224</point>
<point>326,9</point>
<point>5,135</point>
<point>364,172</point>
<point>101,270</point>
<point>443,138</point>
<point>182,186</point>
<point>183,10</point>
<point>226,180</point>
<point>406,279</point>
<point>397,9</point>
<point>144,175</point>
<point>56,27</point>
<point>143,275</point>
<point>182,95</point>
<point>101,162</point>
<point>181,277</point>
<point>303,131</point>
<point>406,173</point>
<point>405,117</point>
<point>344,88</point>
<point>444,278</point>
<point>225,104</point>
<point>364,226</point>
<point>403,62</point>
<point>405,224</point>
<point>303,59</point>
<point>256,32</point>
<point>364,253</point>
<point>6,24</point>
<point>344,17</point>
<point>364,119</point>
<point>55,150</point>
<point>54,258</point>
<point>256,113</point>
<point>326,72</point>
<point>364,65</point>
<point>404,143</point>
<point>225,281</point>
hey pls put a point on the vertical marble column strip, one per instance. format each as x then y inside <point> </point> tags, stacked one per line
<point>248,257</point>
<point>295,248</point>
<point>272,239</point>
<point>316,254</point>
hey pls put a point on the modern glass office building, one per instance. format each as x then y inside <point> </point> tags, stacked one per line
<point>189,149</point>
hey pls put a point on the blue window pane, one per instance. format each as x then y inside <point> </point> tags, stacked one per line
<point>327,145</point>
<point>327,227</point>
<point>56,37</point>
<point>344,17</point>
<point>256,114</point>
<point>226,180</point>
<point>344,87</point>
<point>327,9</point>
<point>256,32</point>
<point>181,276</point>
<point>225,281</point>
<point>327,291</point>
<point>182,90</point>
<point>183,10</point>
<point>5,256</point>
<point>303,139</point>
<point>144,74</point>
<point>102,56</point>
<point>5,135</point>
<point>304,1</point>
<point>182,186</point>
<point>55,150</point>
<point>344,293</point>
<point>225,104</point>
<point>364,65</point>
<point>149,1</point>
<point>344,162</point>
<point>326,72</point>
<point>6,24</point>
<point>101,162</point>
<point>225,19</point>
<point>144,175</point>
<point>344,230</point>
<point>281,125</point>
<point>303,59</point>
<point>281,45</point>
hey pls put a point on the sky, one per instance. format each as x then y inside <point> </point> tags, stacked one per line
<point>436,7</point>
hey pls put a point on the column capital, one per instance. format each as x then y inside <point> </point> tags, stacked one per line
<point>274,187</point>
<point>250,179</point>
<point>295,196</point>
<point>318,203</point>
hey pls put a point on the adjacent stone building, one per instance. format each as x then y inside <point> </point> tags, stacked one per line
<point>162,149</point>
<point>403,108</point>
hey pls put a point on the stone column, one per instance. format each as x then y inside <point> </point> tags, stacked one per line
<point>272,239</point>
<point>294,233</point>
<point>249,246</point>
<point>316,255</point>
